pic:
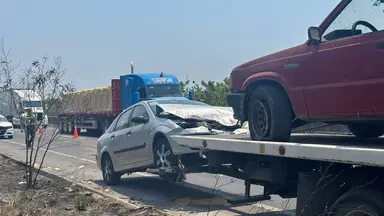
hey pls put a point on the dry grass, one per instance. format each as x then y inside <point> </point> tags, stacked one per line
<point>53,198</point>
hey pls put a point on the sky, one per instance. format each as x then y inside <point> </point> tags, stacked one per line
<point>198,39</point>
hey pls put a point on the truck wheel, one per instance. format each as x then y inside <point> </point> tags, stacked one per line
<point>105,126</point>
<point>110,177</point>
<point>269,114</point>
<point>360,202</point>
<point>366,130</point>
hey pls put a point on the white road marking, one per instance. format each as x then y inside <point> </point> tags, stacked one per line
<point>55,152</point>
<point>189,185</point>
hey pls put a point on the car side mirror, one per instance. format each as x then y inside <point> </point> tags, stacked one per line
<point>313,35</point>
<point>139,120</point>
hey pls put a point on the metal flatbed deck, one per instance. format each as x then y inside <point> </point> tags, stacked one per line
<point>331,148</point>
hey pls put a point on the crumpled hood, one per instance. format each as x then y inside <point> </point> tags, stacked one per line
<point>221,115</point>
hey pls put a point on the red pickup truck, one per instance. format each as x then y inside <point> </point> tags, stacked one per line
<point>336,76</point>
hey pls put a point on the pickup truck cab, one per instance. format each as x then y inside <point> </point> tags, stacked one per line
<point>336,76</point>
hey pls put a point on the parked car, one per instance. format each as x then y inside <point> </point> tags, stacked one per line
<point>6,128</point>
<point>336,76</point>
<point>139,138</point>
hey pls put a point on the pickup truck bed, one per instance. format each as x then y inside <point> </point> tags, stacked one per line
<point>320,147</point>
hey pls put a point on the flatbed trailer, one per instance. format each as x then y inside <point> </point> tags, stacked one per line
<point>328,174</point>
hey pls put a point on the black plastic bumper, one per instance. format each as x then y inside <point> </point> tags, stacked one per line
<point>236,101</point>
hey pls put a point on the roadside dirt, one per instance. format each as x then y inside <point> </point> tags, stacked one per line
<point>54,198</point>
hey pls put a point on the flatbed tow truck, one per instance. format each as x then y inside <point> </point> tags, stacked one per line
<point>329,174</point>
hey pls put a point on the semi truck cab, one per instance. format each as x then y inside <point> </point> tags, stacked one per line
<point>148,85</point>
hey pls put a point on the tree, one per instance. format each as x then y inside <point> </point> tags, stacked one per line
<point>43,78</point>
<point>210,92</point>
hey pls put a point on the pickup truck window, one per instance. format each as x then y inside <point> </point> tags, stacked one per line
<point>164,90</point>
<point>370,12</point>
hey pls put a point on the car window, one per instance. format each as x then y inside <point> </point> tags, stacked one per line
<point>123,121</point>
<point>356,10</point>
<point>138,110</point>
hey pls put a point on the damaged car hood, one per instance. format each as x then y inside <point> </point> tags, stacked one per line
<point>221,115</point>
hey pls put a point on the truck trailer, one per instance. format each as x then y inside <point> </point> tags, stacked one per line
<point>95,109</point>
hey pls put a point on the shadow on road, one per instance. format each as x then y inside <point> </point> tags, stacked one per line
<point>177,197</point>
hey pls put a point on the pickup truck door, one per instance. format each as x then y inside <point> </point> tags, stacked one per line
<point>347,74</point>
<point>139,140</point>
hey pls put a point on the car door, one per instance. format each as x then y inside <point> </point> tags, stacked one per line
<point>347,75</point>
<point>118,144</point>
<point>139,139</point>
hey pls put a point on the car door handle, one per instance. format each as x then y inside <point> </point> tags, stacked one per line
<point>380,45</point>
<point>129,133</point>
<point>113,136</point>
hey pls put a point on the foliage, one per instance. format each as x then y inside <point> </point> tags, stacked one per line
<point>44,78</point>
<point>210,92</point>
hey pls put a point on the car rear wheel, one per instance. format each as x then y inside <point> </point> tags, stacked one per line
<point>366,130</point>
<point>269,114</point>
<point>110,177</point>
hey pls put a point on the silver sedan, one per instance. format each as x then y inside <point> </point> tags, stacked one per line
<point>139,138</point>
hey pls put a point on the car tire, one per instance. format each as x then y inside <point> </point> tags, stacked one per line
<point>110,177</point>
<point>366,130</point>
<point>163,156</point>
<point>10,137</point>
<point>269,114</point>
<point>366,201</point>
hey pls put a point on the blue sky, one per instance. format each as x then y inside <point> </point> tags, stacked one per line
<point>204,39</point>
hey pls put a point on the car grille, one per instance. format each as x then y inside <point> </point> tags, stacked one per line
<point>39,116</point>
<point>3,130</point>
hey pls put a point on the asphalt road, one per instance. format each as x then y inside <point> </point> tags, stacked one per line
<point>75,158</point>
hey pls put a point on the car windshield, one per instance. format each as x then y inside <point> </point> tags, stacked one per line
<point>32,103</point>
<point>2,119</point>
<point>164,90</point>
<point>152,104</point>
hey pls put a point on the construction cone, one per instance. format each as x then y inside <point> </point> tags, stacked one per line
<point>75,134</point>
<point>41,131</point>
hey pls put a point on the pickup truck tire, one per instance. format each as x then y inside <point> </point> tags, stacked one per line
<point>110,177</point>
<point>359,202</point>
<point>366,130</point>
<point>269,114</point>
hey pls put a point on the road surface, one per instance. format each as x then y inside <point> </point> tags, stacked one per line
<point>74,158</point>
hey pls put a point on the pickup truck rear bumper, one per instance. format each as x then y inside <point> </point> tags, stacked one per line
<point>236,101</point>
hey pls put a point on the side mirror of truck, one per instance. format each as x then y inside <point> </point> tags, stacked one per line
<point>313,35</point>
<point>190,95</point>
<point>136,97</point>
<point>139,120</point>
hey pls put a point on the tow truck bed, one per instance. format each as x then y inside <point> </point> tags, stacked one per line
<point>331,148</point>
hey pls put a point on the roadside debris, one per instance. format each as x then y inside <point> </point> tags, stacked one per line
<point>53,198</point>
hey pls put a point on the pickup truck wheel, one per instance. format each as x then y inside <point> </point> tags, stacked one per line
<point>110,177</point>
<point>360,202</point>
<point>366,130</point>
<point>269,114</point>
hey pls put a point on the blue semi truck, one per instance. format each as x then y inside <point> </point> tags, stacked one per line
<point>95,109</point>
